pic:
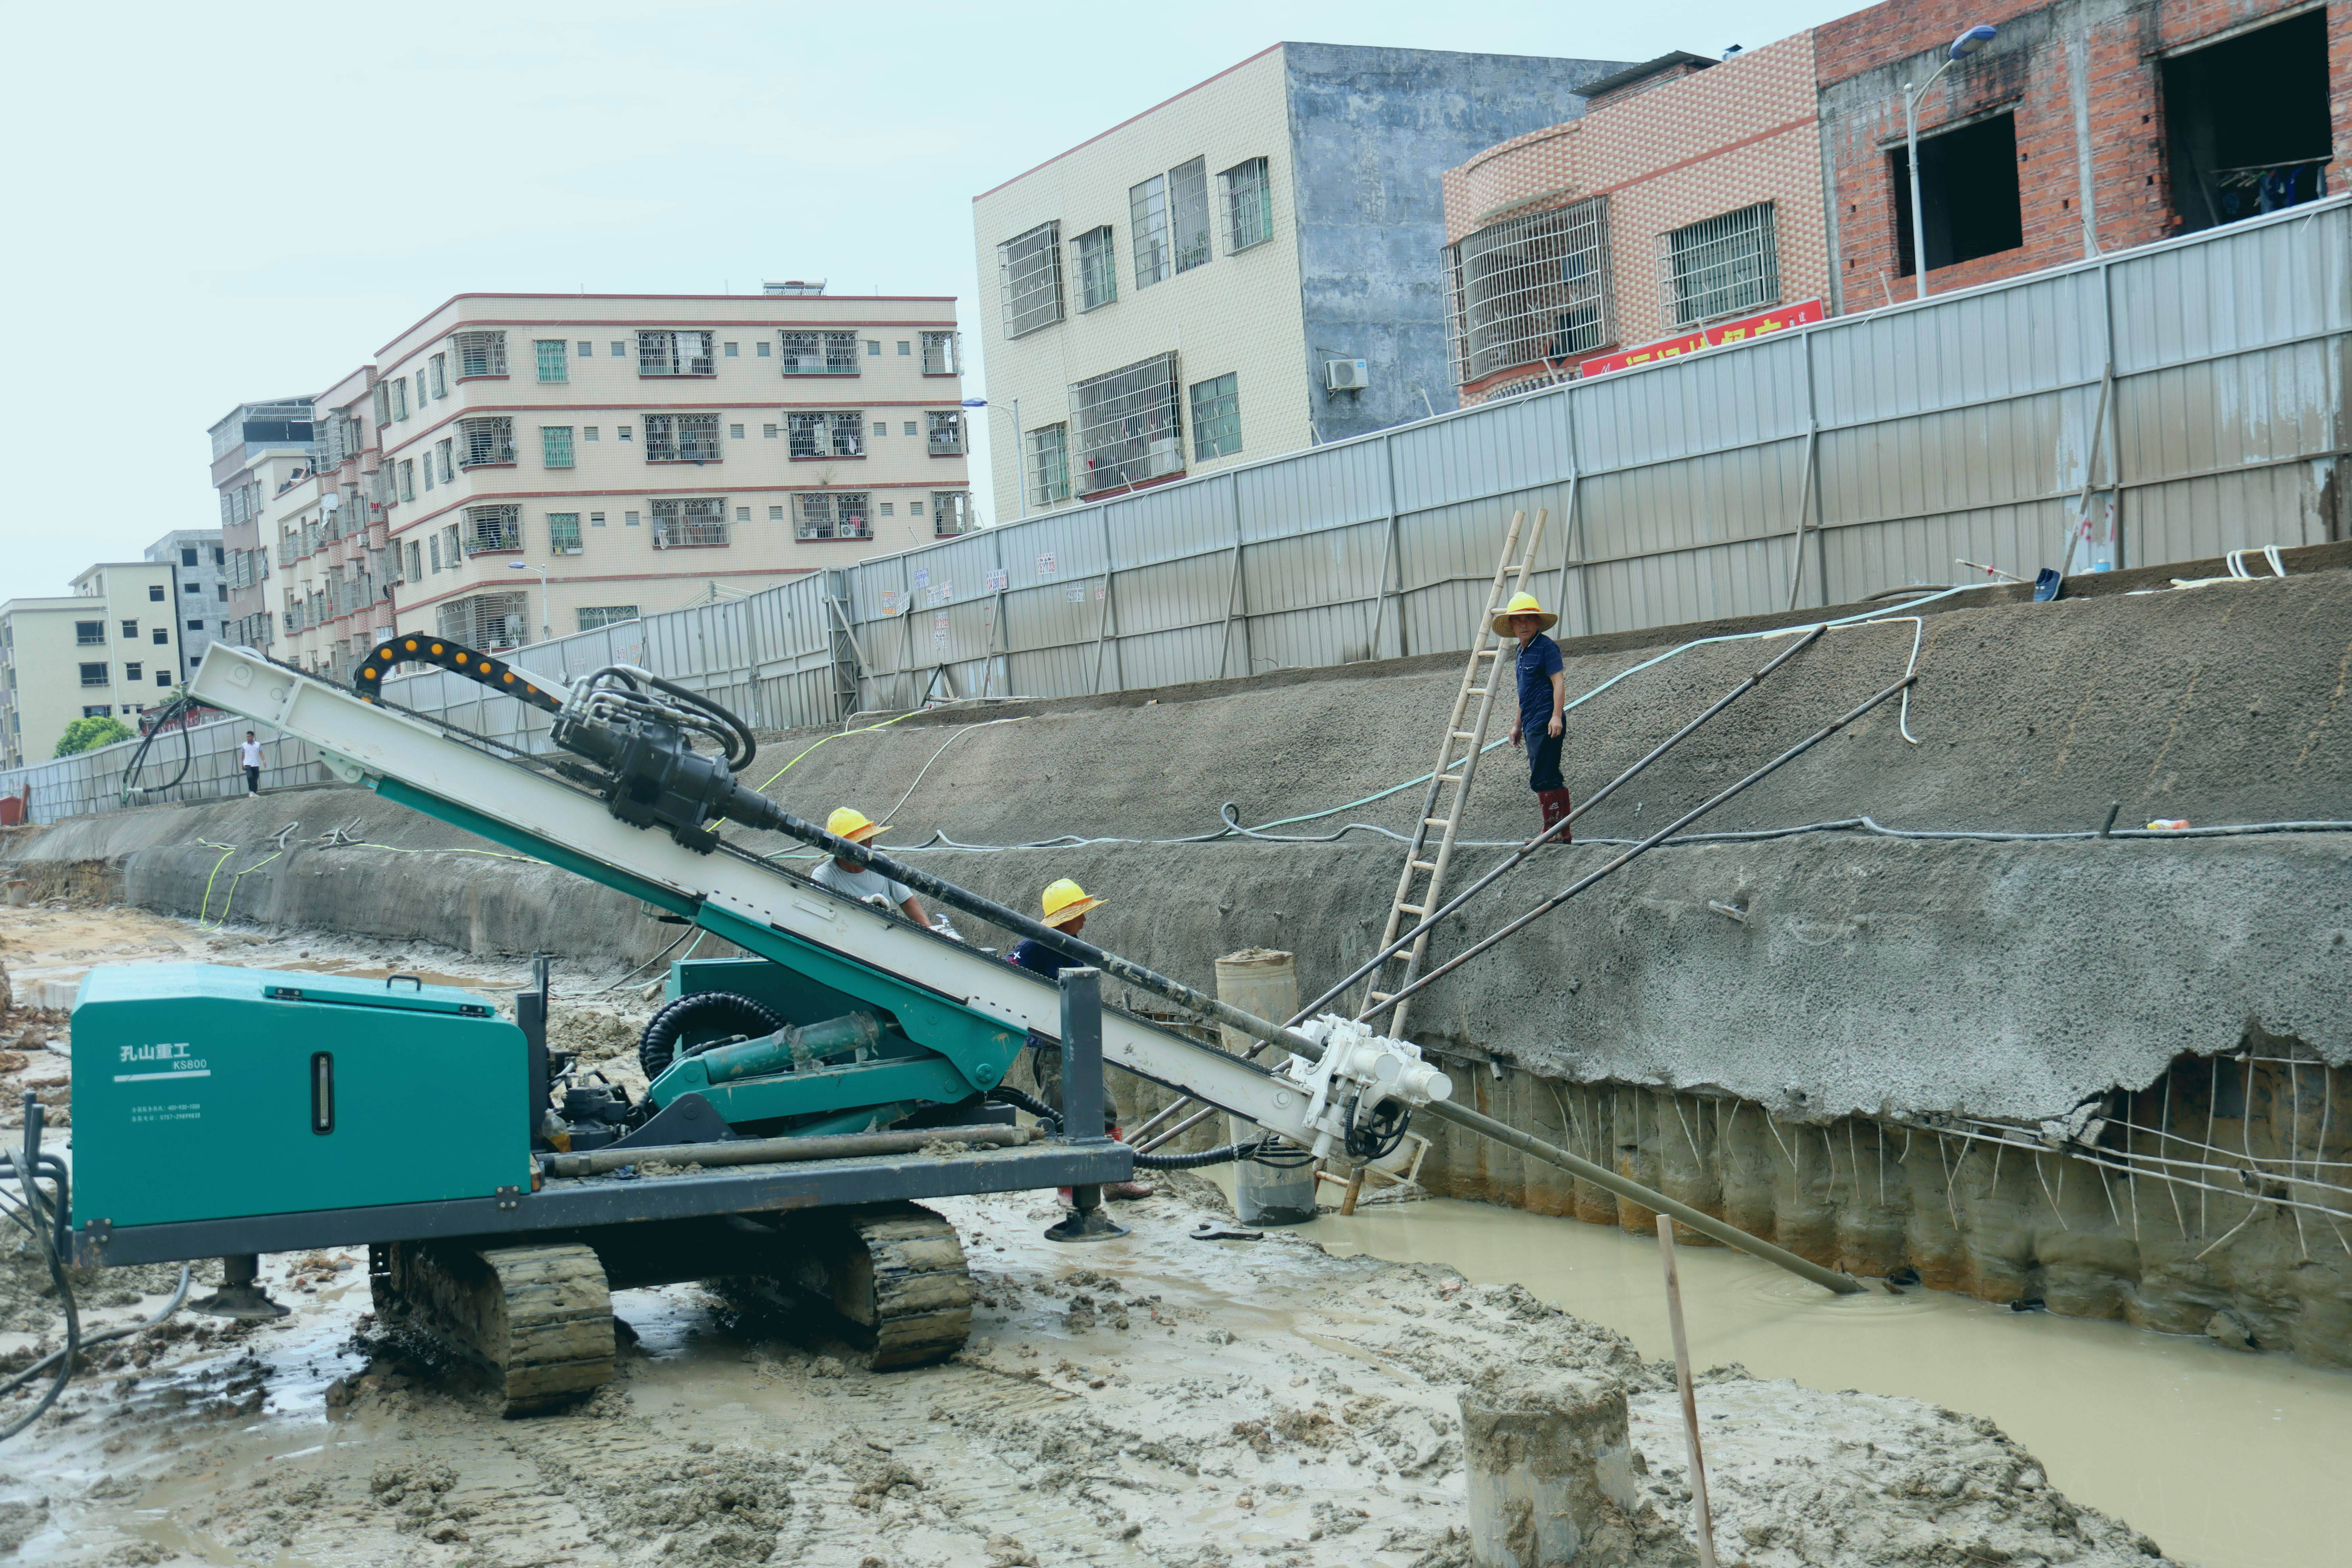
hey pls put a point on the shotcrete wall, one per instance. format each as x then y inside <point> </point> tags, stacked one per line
<point>1813,1035</point>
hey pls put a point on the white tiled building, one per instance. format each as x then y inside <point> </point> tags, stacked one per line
<point>1244,269</point>
<point>110,648</point>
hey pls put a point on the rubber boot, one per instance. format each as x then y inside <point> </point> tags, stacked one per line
<point>1556,807</point>
<point>1127,1190</point>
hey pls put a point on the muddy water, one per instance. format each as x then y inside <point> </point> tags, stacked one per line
<point>2228,1460</point>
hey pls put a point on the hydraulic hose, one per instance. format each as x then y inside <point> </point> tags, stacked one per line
<point>178,710</point>
<point>657,1046</point>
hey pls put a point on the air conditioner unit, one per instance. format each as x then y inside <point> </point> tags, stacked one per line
<point>1346,375</point>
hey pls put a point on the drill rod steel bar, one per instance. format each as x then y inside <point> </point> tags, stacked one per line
<point>1663,833</point>
<point>1520,855</point>
<point>1258,1028</point>
<point>780,1150</point>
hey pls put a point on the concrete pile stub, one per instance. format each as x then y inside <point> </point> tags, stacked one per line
<point>1550,1479</point>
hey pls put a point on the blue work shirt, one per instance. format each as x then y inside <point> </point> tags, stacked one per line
<point>1539,660</point>
<point>1038,959</point>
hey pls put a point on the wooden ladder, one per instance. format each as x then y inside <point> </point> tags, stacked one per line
<point>1418,888</point>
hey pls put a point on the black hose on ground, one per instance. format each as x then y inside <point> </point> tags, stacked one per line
<point>657,1046</point>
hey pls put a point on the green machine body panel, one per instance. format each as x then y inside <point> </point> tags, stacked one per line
<point>203,1091</point>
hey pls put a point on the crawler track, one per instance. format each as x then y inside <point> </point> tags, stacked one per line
<point>538,1319</point>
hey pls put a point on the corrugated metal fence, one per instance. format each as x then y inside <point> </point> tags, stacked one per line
<point>2160,404</point>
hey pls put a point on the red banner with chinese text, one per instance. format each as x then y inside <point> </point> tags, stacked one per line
<point>1797,315</point>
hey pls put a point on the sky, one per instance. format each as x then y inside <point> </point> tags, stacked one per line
<point>226,203</point>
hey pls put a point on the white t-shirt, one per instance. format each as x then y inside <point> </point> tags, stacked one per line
<point>859,884</point>
<point>248,754</point>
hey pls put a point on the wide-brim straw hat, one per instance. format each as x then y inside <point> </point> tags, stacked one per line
<point>1522,604</point>
<point>1066,902</point>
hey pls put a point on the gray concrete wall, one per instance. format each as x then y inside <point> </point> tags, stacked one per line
<point>1371,131</point>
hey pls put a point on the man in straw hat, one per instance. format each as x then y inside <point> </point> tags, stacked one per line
<point>848,878</point>
<point>1064,905</point>
<point>1543,700</point>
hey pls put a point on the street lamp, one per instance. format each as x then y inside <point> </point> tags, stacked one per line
<point>546,632</point>
<point>1966,44</point>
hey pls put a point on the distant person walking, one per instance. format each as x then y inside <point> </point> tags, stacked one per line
<point>1543,702</point>
<point>249,755</point>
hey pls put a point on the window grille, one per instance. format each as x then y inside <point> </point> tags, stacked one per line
<point>951,513</point>
<point>1530,288</point>
<point>487,442</point>
<point>675,354</point>
<point>563,532</point>
<point>1188,187</point>
<point>492,529</point>
<point>1216,418</point>
<point>820,354</point>
<point>942,355</point>
<point>479,354</point>
<point>1128,428</point>
<point>1098,270</point>
<point>1049,465</point>
<point>554,445</point>
<point>407,479</point>
<point>592,616</point>
<point>444,451</point>
<point>682,439</point>
<point>1249,204</point>
<point>382,404</point>
<point>485,620</point>
<point>1146,209</point>
<point>689,523</point>
<point>440,364</point>
<point>553,365</point>
<point>833,514</point>
<point>946,432</point>
<point>1029,274</point>
<point>832,434</point>
<point>1723,266</point>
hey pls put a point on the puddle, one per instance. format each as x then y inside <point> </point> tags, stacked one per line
<point>2224,1457</point>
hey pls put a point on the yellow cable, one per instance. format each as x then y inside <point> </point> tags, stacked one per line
<point>227,850</point>
<point>884,725</point>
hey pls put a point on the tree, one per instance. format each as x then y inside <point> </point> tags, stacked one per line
<point>87,734</point>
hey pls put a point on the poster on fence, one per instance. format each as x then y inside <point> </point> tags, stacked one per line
<point>1802,314</point>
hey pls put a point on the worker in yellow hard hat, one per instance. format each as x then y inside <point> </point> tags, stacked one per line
<point>1543,702</point>
<point>851,879</point>
<point>1065,907</point>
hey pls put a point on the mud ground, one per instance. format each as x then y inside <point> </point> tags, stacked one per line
<point>1174,1399</point>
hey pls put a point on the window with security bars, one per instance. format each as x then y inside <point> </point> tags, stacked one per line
<point>1147,211</point>
<point>1188,191</point>
<point>1721,266</point>
<point>682,439</point>
<point>820,354</point>
<point>1127,426</point>
<point>942,355</point>
<point>552,364</point>
<point>675,353</point>
<point>1531,288</point>
<point>489,529</point>
<point>554,447</point>
<point>440,364</point>
<point>1029,275</point>
<point>485,443</point>
<point>833,514</point>
<point>946,432</point>
<point>1098,270</point>
<point>478,354</point>
<point>696,522</point>
<point>1216,418</point>
<point>951,513</point>
<point>485,620</point>
<point>1249,204</point>
<point>563,532</point>
<point>1049,465</point>
<point>831,433</point>
<point>592,616</point>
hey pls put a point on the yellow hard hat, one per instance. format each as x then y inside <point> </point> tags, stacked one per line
<point>848,822</point>
<point>1522,604</point>
<point>1066,902</point>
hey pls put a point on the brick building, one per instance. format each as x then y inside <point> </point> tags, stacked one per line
<point>2082,126</point>
<point>1693,194</point>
